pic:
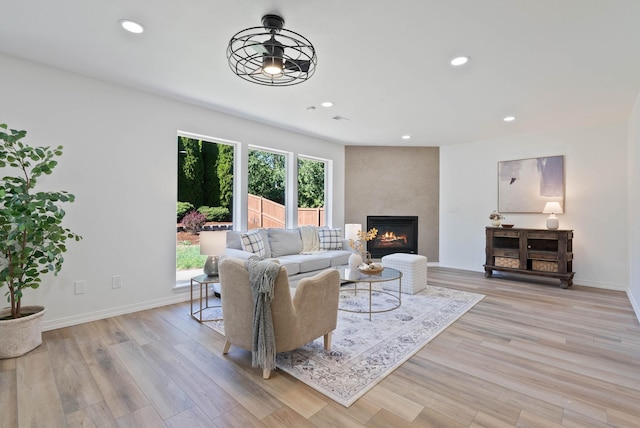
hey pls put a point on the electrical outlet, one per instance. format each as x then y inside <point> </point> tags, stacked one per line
<point>116,281</point>
<point>80,287</point>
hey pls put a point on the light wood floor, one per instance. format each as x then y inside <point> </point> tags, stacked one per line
<point>530,354</point>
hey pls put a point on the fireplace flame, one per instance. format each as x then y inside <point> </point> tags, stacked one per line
<point>391,238</point>
<point>396,234</point>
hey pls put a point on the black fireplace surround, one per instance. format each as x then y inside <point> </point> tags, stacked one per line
<point>396,234</point>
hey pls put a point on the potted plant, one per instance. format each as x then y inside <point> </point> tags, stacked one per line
<point>496,218</point>
<point>361,254</point>
<point>32,238</point>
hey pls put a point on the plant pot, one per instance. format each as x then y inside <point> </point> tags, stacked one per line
<point>21,335</point>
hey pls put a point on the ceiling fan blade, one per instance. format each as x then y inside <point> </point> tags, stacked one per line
<point>259,48</point>
<point>297,65</point>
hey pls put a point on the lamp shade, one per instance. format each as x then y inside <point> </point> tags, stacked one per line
<point>552,208</point>
<point>351,231</point>
<point>213,243</point>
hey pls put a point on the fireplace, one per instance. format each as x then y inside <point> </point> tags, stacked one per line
<point>396,234</point>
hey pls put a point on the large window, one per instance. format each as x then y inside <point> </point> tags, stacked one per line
<point>275,180</point>
<point>267,189</point>
<point>311,192</point>
<point>205,197</point>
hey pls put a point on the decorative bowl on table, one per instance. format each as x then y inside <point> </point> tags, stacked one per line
<point>507,226</point>
<point>371,268</point>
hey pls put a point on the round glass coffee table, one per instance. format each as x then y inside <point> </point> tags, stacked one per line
<point>356,278</point>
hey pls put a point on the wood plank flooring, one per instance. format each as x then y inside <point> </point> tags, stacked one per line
<point>530,355</point>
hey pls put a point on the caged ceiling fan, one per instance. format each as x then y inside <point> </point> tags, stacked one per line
<point>271,55</point>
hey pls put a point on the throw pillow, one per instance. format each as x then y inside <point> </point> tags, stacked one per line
<point>284,242</point>
<point>330,239</point>
<point>234,240</point>
<point>252,242</point>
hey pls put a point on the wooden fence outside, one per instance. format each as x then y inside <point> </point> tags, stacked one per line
<point>266,213</point>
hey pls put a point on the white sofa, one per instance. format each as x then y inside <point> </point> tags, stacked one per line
<point>286,245</point>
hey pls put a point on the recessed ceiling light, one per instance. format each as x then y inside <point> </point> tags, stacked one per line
<point>509,118</point>
<point>327,104</point>
<point>131,26</point>
<point>460,60</point>
<point>406,137</point>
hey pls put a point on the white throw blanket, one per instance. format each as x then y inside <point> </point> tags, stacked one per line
<point>310,239</point>
<point>262,277</point>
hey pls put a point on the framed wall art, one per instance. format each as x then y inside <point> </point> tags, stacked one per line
<point>526,185</point>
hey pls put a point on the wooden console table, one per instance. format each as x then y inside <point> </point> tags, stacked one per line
<point>538,252</point>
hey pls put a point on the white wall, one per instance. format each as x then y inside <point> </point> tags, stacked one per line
<point>120,161</point>
<point>595,199</point>
<point>634,207</point>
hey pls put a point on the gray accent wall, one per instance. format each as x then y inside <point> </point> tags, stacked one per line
<point>395,181</point>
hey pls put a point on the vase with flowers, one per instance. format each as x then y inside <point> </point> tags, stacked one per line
<point>496,218</point>
<point>361,255</point>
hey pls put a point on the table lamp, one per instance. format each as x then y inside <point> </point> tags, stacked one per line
<point>212,244</point>
<point>552,208</point>
<point>351,231</point>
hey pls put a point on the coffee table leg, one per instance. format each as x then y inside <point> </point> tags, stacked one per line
<point>370,301</point>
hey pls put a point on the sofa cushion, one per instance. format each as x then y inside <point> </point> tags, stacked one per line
<point>284,241</point>
<point>330,239</point>
<point>234,241</point>
<point>292,266</point>
<point>307,262</point>
<point>252,242</point>
<point>338,257</point>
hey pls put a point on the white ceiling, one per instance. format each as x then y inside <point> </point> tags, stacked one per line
<point>385,64</point>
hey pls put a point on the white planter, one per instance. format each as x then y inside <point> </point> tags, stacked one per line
<point>355,260</point>
<point>21,335</point>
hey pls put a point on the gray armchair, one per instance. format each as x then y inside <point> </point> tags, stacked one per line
<point>297,320</point>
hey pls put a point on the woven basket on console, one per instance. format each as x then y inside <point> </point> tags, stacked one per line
<point>507,262</point>
<point>21,335</point>
<point>545,266</point>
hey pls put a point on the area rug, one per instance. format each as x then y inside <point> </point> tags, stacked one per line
<point>364,352</point>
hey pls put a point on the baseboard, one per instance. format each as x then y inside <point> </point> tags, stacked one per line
<point>604,285</point>
<point>576,281</point>
<point>634,304</point>
<point>112,312</point>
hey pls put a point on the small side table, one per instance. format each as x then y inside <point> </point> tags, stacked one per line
<point>204,281</point>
